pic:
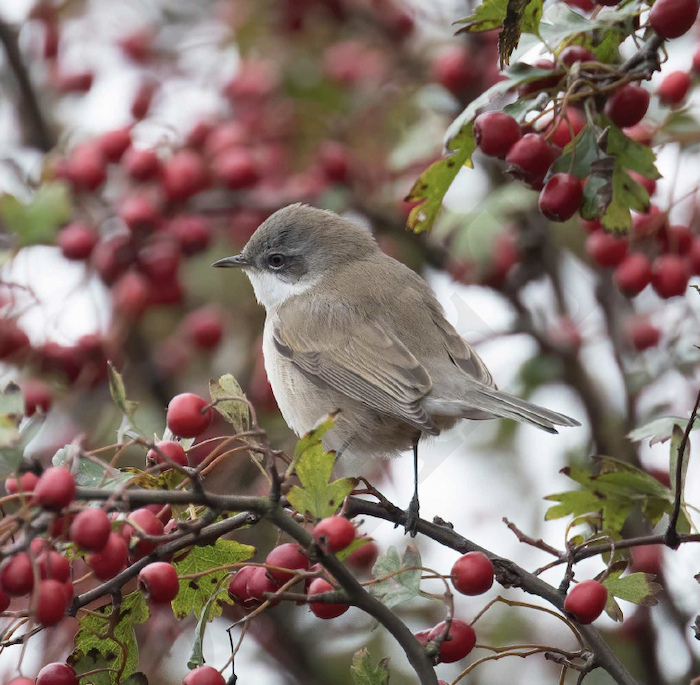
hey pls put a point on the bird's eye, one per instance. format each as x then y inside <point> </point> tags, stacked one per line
<point>276,260</point>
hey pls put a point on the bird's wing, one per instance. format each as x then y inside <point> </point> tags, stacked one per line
<point>362,360</point>
<point>461,353</point>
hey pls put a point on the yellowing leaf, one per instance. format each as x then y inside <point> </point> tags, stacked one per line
<point>118,392</point>
<point>638,588</point>
<point>234,412</point>
<point>486,16</point>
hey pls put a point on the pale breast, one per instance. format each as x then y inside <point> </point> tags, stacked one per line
<point>301,403</point>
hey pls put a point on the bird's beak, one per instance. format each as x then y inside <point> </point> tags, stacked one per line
<point>232,262</point>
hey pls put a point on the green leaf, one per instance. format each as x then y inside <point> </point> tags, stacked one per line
<point>401,587</point>
<point>91,634</point>
<point>629,153</point>
<point>681,126</point>
<point>14,440</point>
<point>520,15</point>
<point>638,588</point>
<point>92,473</point>
<point>608,49</point>
<point>659,430</point>
<point>39,219</point>
<point>486,16</point>
<point>195,593</point>
<point>319,496</point>
<point>434,182</point>
<point>676,439</point>
<point>234,412</point>
<point>586,154</point>
<point>354,545</point>
<point>364,672</point>
<point>214,604</point>
<point>118,392</point>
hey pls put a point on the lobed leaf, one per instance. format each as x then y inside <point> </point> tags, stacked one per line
<point>401,587</point>
<point>234,412</point>
<point>365,672</point>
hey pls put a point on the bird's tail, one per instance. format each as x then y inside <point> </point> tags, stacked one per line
<point>480,402</point>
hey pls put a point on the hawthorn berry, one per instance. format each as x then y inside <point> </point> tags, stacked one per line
<point>184,175</point>
<point>188,415</point>
<point>17,576</point>
<point>333,159</point>
<point>334,533</point>
<point>26,483</point>
<point>575,53</point>
<point>676,239</point>
<point>138,45</point>
<point>459,642</point>
<point>649,184</point>
<point>142,99</point>
<point>37,395</point>
<point>4,600</point>
<point>199,133</point>
<point>606,249</point>
<point>495,133</point>
<point>192,233</point>
<point>260,582</point>
<point>326,611</point>
<point>674,88</point>
<point>643,334</point>
<point>561,198</point>
<point>541,83</point>
<point>145,522</point>
<point>472,573</point>
<point>453,69</point>
<point>131,295</point>
<point>633,274</point>
<point>21,680</point>
<point>236,168</point>
<point>57,674</point>
<point>694,256</point>
<point>114,144</point>
<point>171,449</point>
<point>160,582</point>
<point>110,559</point>
<point>568,126</point>
<point>77,240</point>
<point>673,18</point>
<point>530,157</point>
<point>586,601</point>
<point>139,213</point>
<point>159,260</point>
<point>670,275</point>
<point>238,587</point>
<point>363,557</point>
<point>204,327</point>
<point>140,164</point>
<point>50,602</point>
<point>627,105</point>
<point>648,559</point>
<point>649,223</point>
<point>91,529</point>
<point>287,555</point>
<point>13,340</point>
<point>86,167</point>
<point>204,675</point>
<point>55,489</point>
<point>53,565</point>
<point>112,257</point>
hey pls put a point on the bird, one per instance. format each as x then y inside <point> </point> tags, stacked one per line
<point>349,329</point>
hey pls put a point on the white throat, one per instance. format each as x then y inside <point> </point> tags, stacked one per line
<point>271,291</point>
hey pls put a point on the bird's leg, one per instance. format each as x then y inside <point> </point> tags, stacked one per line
<point>411,525</point>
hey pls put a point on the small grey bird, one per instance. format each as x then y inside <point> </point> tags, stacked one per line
<point>350,328</point>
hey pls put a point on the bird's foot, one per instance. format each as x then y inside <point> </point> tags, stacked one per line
<point>412,517</point>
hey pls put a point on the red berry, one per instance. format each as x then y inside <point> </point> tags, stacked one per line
<point>160,582</point>
<point>530,158</point>
<point>572,121</point>
<point>75,82</point>
<point>20,680</point>
<point>627,105</point>
<point>149,524</point>
<point>670,275</point>
<point>260,582</point>
<point>114,144</point>
<point>333,158</point>
<point>138,44</point>
<point>159,260</point>
<point>204,327</point>
<point>575,53</point>
<point>674,88</point>
<point>13,340</point>
<point>459,642</point>
<point>90,530</point>
<point>50,602</point>
<point>55,489</point>
<point>606,249</point>
<point>238,587</point>
<point>453,69</point>
<point>139,213</point>
<point>37,395</point>
<point>4,600</point>
<point>561,197</point>
<point>586,601</point>
<point>472,574</point>
<point>640,133</point>
<point>334,533</point>
<point>27,483</point>
<point>77,240</point>
<point>57,674</point>
<point>188,415</point>
<point>192,232</point>
<point>199,133</point>
<point>204,675</point>
<point>53,565</point>
<point>694,256</point>
<point>86,167</point>
<point>236,168</point>
<point>287,555</point>
<point>363,558</point>
<point>225,136</point>
<point>171,449</point>
<point>585,5</point>
<point>495,133</point>
<point>643,334</point>
<point>112,257</point>
<point>647,183</point>
<point>633,274</point>
<point>131,295</point>
<point>696,61</point>
<point>17,577</point>
<point>111,559</point>
<point>142,99</point>
<point>647,559</point>
<point>184,175</point>
<point>326,611</point>
<point>649,223</point>
<point>541,83</point>
<point>676,239</point>
<point>673,18</point>
<point>141,165</point>
<point>591,226</point>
